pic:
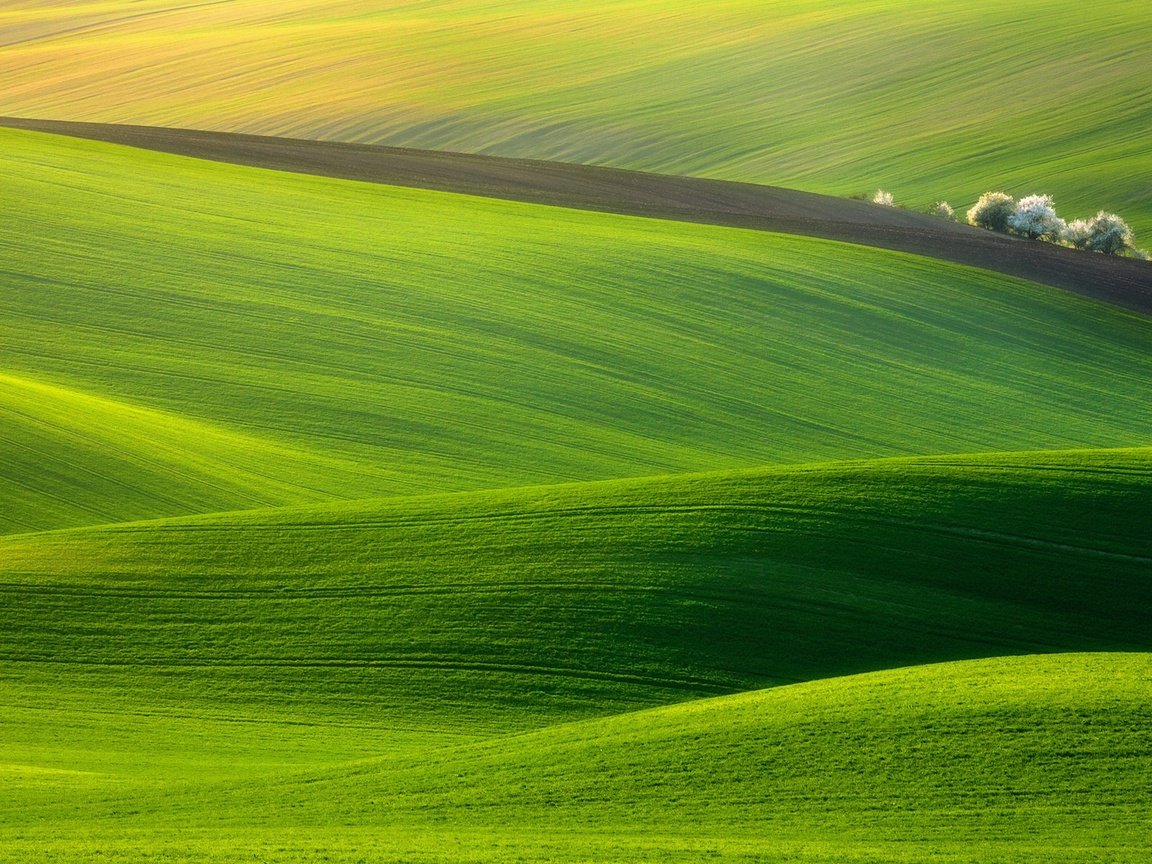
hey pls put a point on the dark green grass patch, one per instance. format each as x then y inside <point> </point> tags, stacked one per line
<point>508,610</point>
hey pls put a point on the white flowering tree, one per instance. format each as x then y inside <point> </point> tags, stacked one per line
<point>1035,217</point>
<point>944,210</point>
<point>1077,233</point>
<point>1107,233</point>
<point>884,198</point>
<point>992,211</point>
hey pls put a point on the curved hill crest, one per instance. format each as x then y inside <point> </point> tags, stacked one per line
<point>1121,281</point>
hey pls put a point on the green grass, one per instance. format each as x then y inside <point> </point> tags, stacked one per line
<point>1022,759</point>
<point>217,663</point>
<point>75,458</point>
<point>505,610</point>
<point>1033,747</point>
<point>346,340</point>
<point>928,100</point>
<point>467,664</point>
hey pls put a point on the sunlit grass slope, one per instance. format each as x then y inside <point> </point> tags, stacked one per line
<point>927,99</point>
<point>444,343</point>
<point>1026,759</point>
<point>1031,748</point>
<point>506,610</point>
<point>72,458</point>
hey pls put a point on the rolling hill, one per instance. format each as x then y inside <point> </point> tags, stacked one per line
<point>360,523</point>
<point>925,99</point>
<point>521,607</point>
<point>313,664</point>
<point>1036,759</point>
<point>1124,281</point>
<point>75,458</point>
<point>369,340</point>
<point>1029,748</point>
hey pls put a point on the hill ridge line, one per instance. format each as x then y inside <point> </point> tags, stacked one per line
<point>1122,282</point>
<point>855,684</point>
<point>213,519</point>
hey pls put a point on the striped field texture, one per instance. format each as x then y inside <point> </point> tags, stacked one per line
<point>514,608</point>
<point>370,673</point>
<point>1030,759</point>
<point>925,99</point>
<point>355,524</point>
<point>188,337</point>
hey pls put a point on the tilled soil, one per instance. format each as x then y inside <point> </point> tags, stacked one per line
<point>1121,281</point>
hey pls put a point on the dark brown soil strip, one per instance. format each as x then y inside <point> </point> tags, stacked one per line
<point>1123,282</point>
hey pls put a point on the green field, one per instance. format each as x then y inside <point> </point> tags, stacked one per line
<point>340,340</point>
<point>926,99</point>
<point>1018,759</point>
<point>517,607</point>
<point>360,524</point>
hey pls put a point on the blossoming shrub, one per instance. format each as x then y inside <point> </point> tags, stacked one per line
<point>1035,217</point>
<point>1104,232</point>
<point>992,211</point>
<point>1077,233</point>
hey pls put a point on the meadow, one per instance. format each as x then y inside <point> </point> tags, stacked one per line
<point>192,337</point>
<point>597,597</point>
<point>1038,758</point>
<point>924,99</point>
<point>353,523</point>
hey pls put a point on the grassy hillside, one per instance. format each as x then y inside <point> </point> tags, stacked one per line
<point>346,340</point>
<point>926,99</point>
<point>1051,747</point>
<point>72,458</point>
<point>1030,759</point>
<point>497,611</point>
<point>476,662</point>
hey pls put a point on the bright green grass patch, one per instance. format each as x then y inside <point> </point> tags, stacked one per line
<point>443,343</point>
<point>1031,747</point>
<point>1029,759</point>
<point>927,99</point>
<point>496,611</point>
<point>70,457</point>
